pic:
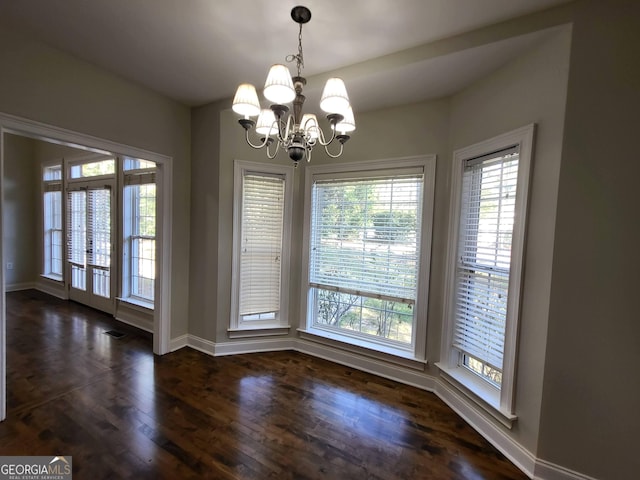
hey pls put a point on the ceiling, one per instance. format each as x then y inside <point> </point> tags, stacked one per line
<point>198,51</point>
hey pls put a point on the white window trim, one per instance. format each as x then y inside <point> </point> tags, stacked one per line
<point>279,326</point>
<point>47,164</point>
<point>124,234</point>
<point>500,402</point>
<point>417,351</point>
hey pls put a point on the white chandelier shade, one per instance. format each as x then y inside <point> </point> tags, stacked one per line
<point>334,97</point>
<point>279,87</point>
<point>348,123</point>
<point>288,128</point>
<point>266,122</point>
<point>246,101</point>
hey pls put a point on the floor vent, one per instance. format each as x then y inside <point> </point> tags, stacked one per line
<point>115,333</point>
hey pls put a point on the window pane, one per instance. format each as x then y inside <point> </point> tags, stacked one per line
<point>364,254</point>
<point>145,215</point>
<point>143,267</point>
<point>93,169</point>
<point>365,315</point>
<point>137,164</point>
<point>140,242</point>
<point>52,173</point>
<point>492,375</point>
<point>484,258</point>
<point>261,245</point>
<point>52,233</point>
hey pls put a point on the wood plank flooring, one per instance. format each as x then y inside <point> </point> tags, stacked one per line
<point>122,412</point>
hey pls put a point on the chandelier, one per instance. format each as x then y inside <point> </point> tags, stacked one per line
<point>294,132</point>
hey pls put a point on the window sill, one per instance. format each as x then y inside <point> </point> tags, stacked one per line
<point>248,332</point>
<point>359,346</point>
<point>136,302</point>
<point>477,390</point>
<point>55,278</point>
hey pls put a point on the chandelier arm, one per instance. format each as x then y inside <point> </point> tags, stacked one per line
<point>321,139</point>
<point>275,152</point>
<point>265,141</point>
<point>326,149</point>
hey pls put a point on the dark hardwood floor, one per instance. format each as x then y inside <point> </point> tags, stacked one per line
<point>122,412</point>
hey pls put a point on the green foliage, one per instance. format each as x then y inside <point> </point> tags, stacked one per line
<point>147,210</point>
<point>380,318</point>
<point>394,226</point>
<point>345,209</point>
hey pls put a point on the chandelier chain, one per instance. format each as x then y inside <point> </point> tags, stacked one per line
<point>298,58</point>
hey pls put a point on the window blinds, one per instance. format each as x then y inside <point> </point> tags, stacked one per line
<point>365,236</point>
<point>484,255</point>
<point>77,227</point>
<point>99,227</point>
<point>261,243</point>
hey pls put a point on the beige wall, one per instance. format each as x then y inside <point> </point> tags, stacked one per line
<point>21,192</point>
<point>205,180</point>
<point>43,84</point>
<point>590,419</point>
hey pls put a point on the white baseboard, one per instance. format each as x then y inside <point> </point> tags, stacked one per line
<point>132,316</point>
<point>178,343</point>
<point>52,289</point>
<point>135,322</point>
<point>550,471</point>
<point>201,344</point>
<point>16,287</point>
<point>469,411</point>
<point>370,365</point>
<point>533,467</point>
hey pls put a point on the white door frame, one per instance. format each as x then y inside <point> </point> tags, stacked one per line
<point>88,296</point>
<point>40,131</point>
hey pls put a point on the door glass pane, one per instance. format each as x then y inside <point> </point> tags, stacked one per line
<point>101,279</point>
<point>78,277</point>
<point>100,226</point>
<point>100,240</point>
<point>77,233</point>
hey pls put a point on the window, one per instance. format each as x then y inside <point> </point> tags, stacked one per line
<point>52,217</point>
<point>93,169</point>
<point>139,228</point>
<point>261,235</point>
<point>489,201</point>
<point>368,239</point>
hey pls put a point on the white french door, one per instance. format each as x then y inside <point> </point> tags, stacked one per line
<point>90,243</point>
